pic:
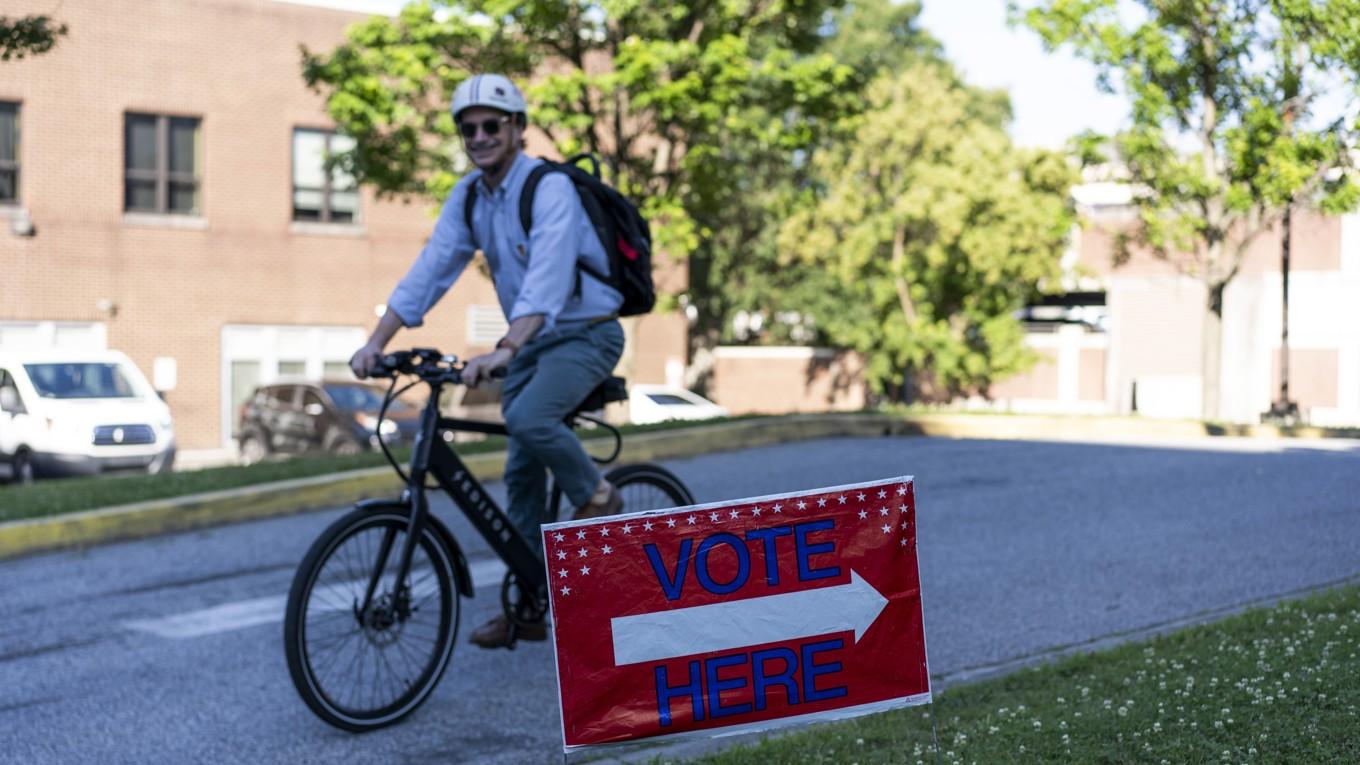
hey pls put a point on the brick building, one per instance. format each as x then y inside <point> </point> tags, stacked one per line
<point>163,193</point>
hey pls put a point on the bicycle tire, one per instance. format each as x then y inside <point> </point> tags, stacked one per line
<point>646,486</point>
<point>314,600</point>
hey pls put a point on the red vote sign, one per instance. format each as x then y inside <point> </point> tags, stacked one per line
<point>737,615</point>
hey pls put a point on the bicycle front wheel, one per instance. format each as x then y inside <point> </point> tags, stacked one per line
<point>649,487</point>
<point>363,661</point>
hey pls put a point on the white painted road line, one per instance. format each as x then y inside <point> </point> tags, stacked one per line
<point>249,613</point>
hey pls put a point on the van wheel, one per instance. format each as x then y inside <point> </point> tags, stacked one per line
<point>24,472</point>
<point>345,446</point>
<point>252,450</point>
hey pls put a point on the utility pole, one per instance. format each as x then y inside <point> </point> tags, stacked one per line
<point>1282,410</point>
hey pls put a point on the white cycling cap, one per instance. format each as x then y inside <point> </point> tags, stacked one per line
<point>492,90</point>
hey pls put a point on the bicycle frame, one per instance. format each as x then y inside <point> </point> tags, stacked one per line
<point>431,456</point>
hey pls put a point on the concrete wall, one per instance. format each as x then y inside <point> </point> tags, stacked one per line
<point>1068,378</point>
<point>1156,317</point>
<point>760,380</point>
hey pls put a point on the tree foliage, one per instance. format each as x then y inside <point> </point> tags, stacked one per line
<point>658,90</point>
<point>933,230</point>
<point>27,35</point>
<point>1238,81</point>
<point>742,270</point>
<point>727,120</point>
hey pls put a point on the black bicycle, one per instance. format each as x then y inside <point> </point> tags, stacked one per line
<point>373,612</point>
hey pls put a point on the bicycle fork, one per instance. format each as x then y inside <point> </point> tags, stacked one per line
<point>414,496</point>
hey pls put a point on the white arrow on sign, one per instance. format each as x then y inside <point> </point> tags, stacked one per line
<point>754,621</point>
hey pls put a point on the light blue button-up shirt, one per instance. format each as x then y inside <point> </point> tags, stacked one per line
<point>534,273</point>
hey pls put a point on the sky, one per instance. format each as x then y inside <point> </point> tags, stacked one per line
<point>1053,96</point>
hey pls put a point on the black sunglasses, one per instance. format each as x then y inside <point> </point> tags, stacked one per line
<point>490,127</point>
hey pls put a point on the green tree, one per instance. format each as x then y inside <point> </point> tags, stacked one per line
<point>661,91</point>
<point>740,268</point>
<point>932,230</point>
<point>27,35</point>
<point>1238,80</point>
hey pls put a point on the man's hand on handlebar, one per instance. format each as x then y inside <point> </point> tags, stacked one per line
<point>483,367</point>
<point>365,360</point>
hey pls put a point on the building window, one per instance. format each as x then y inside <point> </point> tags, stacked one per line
<point>9,153</point>
<point>320,193</point>
<point>162,158</point>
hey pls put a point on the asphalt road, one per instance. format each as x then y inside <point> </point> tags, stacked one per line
<point>169,650</point>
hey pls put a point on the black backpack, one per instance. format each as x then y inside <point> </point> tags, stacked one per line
<point>626,237</point>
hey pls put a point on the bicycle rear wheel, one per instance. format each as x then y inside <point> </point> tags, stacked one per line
<point>363,668</point>
<point>649,487</point>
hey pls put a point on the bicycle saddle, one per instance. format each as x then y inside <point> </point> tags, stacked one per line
<point>612,389</point>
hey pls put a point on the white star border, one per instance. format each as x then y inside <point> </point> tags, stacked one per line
<point>787,506</point>
<point>570,535</point>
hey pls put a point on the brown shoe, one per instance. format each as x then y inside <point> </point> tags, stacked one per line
<point>610,506</point>
<point>496,633</point>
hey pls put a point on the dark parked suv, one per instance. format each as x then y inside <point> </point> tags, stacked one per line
<point>338,417</point>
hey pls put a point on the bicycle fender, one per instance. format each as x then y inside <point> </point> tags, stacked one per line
<point>465,586</point>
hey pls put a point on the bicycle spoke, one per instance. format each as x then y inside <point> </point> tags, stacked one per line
<point>368,668</point>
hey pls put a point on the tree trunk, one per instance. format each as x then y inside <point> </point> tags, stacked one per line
<point>900,282</point>
<point>1211,353</point>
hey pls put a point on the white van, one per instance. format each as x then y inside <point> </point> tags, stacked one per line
<point>79,413</point>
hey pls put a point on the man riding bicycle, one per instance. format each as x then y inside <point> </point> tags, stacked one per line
<point>564,336</point>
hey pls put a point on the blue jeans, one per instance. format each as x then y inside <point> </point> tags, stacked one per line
<point>548,378</point>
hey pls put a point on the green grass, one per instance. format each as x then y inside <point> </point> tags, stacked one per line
<point>70,495</point>
<point>1276,685</point>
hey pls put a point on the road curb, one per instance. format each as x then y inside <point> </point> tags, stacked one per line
<point>145,519</point>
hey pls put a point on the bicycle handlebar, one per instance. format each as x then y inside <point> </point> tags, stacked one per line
<point>426,363</point>
<point>437,369</point>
